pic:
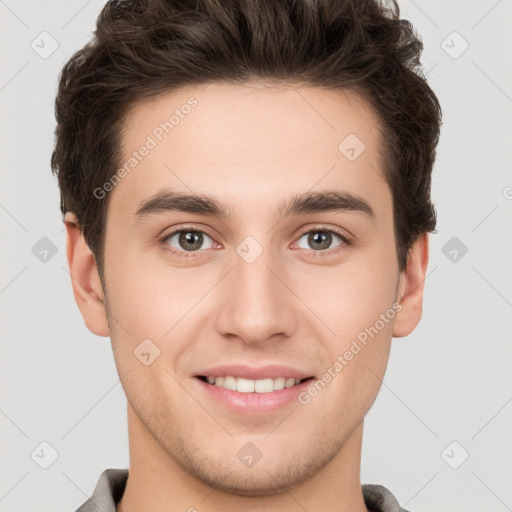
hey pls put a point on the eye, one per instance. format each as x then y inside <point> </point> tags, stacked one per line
<point>321,239</point>
<point>189,240</point>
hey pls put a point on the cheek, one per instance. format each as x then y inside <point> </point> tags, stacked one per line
<point>358,305</point>
<point>152,302</point>
<point>361,314</point>
<point>149,297</point>
<point>354,297</point>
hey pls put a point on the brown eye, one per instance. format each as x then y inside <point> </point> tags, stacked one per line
<point>321,240</point>
<point>188,240</point>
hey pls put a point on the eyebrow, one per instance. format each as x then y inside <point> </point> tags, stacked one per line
<point>309,202</point>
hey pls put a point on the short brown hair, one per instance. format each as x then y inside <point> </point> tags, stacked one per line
<point>145,48</point>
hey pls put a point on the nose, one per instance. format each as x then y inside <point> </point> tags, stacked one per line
<point>254,302</point>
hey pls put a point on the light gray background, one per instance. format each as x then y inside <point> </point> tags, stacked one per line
<point>448,381</point>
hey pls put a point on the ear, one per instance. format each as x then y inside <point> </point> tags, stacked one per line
<point>85,278</point>
<point>411,288</point>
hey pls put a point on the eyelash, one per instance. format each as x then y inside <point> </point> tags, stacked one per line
<point>195,254</point>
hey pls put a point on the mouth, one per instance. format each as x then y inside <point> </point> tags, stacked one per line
<point>243,385</point>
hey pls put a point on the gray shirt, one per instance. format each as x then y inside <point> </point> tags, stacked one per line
<point>112,482</point>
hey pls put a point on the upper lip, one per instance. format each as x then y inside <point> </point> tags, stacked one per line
<point>248,372</point>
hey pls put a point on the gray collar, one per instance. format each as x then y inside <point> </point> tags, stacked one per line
<point>112,482</point>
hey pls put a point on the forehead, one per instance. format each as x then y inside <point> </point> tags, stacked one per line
<point>251,142</point>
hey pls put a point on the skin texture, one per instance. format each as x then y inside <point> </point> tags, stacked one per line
<point>250,146</point>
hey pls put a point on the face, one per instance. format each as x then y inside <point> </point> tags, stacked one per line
<point>246,279</point>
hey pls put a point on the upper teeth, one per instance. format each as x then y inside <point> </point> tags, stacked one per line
<point>251,386</point>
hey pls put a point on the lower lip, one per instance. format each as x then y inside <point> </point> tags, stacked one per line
<point>253,403</point>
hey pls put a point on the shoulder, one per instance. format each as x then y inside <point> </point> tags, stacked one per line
<point>108,491</point>
<point>378,498</point>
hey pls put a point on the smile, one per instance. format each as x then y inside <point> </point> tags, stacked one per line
<point>243,385</point>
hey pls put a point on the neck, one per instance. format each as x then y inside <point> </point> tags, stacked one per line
<point>157,483</point>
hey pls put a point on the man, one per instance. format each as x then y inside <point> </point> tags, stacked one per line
<point>246,191</point>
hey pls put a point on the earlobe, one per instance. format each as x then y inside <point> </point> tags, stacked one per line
<point>411,288</point>
<point>85,279</point>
